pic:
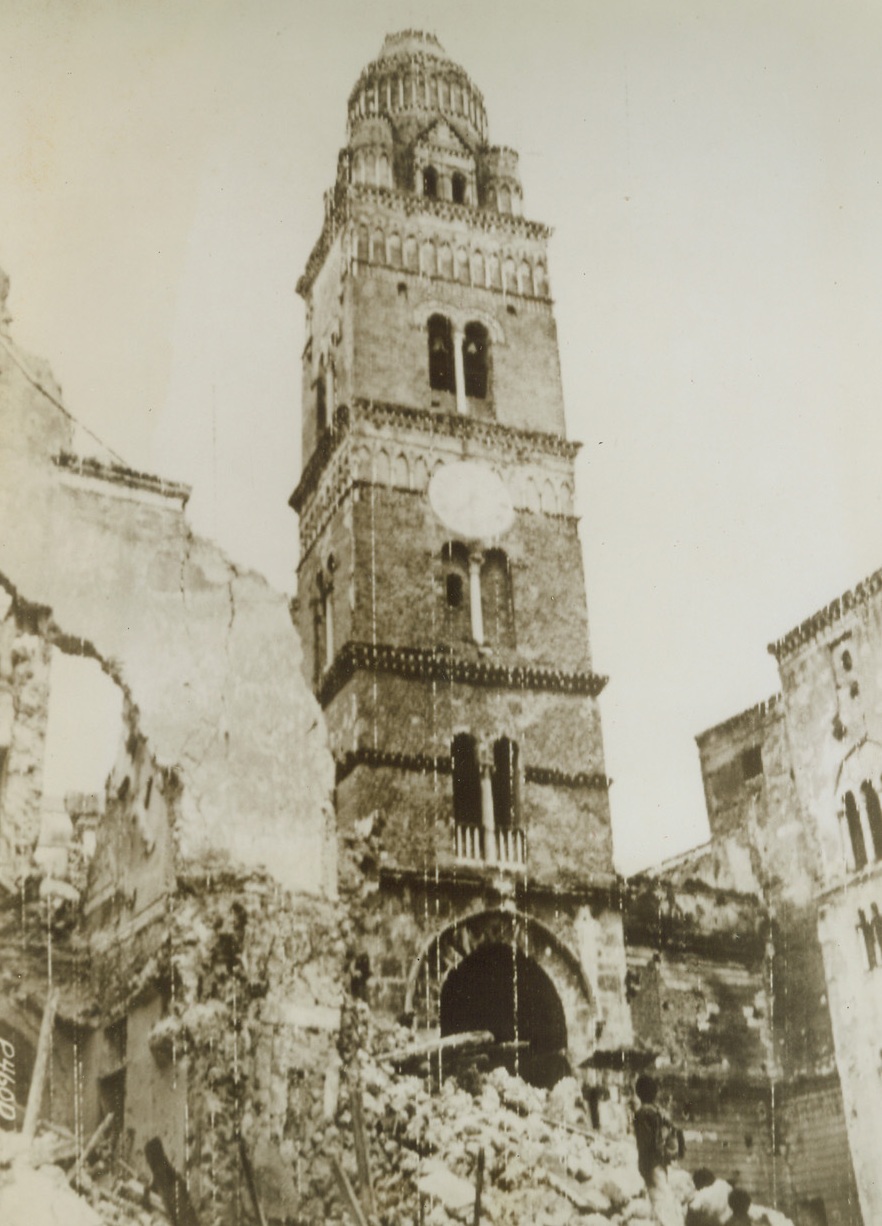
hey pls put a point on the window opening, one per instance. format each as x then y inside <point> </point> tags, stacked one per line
<point>874,815</point>
<point>496,599</point>
<point>867,931</point>
<point>855,833</point>
<point>321,401</point>
<point>441,367</point>
<point>752,762</point>
<point>430,182</point>
<point>458,185</point>
<point>466,780</point>
<point>505,783</point>
<point>474,358</point>
<point>457,619</point>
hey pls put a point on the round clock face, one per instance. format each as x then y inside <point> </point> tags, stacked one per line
<point>471,500</point>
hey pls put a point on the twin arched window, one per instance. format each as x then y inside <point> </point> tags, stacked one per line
<point>468,799</point>
<point>430,182</point>
<point>474,346</point>
<point>870,928</point>
<point>476,594</point>
<point>863,824</point>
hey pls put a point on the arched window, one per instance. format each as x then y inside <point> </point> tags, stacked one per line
<point>496,599</point>
<point>323,619</point>
<point>363,244</point>
<point>411,254</point>
<point>455,591</point>
<point>462,266</point>
<point>478,274</point>
<point>466,780</point>
<point>395,250</point>
<point>458,186</point>
<point>445,262</point>
<point>874,816</point>
<point>495,274</point>
<point>428,265</point>
<point>869,936</point>
<point>505,784</point>
<point>855,833</point>
<point>430,182</point>
<point>475,355</point>
<point>442,375</point>
<point>321,400</point>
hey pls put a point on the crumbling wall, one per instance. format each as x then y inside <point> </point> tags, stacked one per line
<point>24,698</point>
<point>252,1018</point>
<point>206,649</point>
<point>199,952</point>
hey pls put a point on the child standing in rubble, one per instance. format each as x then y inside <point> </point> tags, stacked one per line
<point>658,1144</point>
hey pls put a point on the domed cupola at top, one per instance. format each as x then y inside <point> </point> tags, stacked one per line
<point>417,123</point>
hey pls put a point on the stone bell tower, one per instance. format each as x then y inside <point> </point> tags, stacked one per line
<point>442,602</point>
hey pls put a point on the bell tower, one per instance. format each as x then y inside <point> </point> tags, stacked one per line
<point>441,594</point>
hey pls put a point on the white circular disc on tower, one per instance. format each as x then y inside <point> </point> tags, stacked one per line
<point>471,500</point>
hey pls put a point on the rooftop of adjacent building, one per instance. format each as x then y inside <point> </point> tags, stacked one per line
<point>826,617</point>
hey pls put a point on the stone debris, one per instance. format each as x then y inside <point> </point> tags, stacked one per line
<point>35,1190</point>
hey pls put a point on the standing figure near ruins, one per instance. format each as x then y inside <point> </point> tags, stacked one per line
<point>658,1144</point>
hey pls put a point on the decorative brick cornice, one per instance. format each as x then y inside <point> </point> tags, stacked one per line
<point>443,665</point>
<point>826,617</point>
<point>425,764</point>
<point>563,779</point>
<point>412,205</point>
<point>460,425</point>
<point>744,721</point>
<point>118,474</point>
<point>420,763</point>
<point>342,202</point>
<point>514,440</point>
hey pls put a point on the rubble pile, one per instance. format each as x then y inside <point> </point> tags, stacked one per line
<point>40,1186</point>
<point>543,1164</point>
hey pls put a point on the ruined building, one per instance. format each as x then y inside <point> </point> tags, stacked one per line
<point>424,839</point>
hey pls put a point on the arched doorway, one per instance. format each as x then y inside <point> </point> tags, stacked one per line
<point>505,971</point>
<point>498,988</point>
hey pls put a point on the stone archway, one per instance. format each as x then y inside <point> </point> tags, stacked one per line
<point>505,972</point>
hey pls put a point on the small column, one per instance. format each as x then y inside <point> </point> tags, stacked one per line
<point>462,405</point>
<point>477,613</point>
<point>487,822</point>
<point>328,611</point>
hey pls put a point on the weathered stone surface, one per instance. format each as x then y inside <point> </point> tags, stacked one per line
<point>205,650</point>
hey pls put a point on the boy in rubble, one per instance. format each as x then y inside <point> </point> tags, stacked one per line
<point>658,1144</point>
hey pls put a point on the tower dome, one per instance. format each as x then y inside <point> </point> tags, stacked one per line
<point>414,82</point>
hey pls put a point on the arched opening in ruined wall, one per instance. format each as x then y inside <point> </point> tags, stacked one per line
<point>498,988</point>
<point>529,976</point>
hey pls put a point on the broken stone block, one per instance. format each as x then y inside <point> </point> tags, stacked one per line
<point>621,1186</point>
<point>440,1183</point>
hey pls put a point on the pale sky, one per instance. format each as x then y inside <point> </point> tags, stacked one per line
<point>713,172</point>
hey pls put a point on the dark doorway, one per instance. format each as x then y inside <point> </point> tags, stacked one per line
<point>501,990</point>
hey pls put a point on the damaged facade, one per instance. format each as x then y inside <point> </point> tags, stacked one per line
<point>399,817</point>
<point>195,988</point>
